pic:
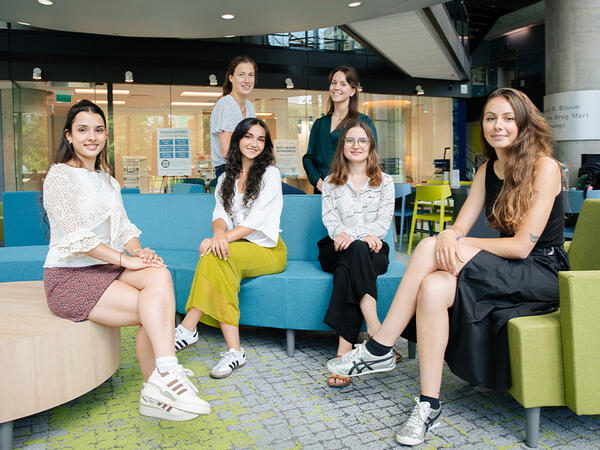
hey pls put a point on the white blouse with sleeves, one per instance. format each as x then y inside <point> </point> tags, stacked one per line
<point>263,215</point>
<point>84,209</point>
<point>361,214</point>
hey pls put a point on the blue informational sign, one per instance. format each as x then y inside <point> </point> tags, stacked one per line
<point>174,151</point>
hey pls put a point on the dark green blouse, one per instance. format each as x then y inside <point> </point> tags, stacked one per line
<point>322,145</point>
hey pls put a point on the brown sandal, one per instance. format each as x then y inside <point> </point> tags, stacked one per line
<point>333,381</point>
<point>345,381</point>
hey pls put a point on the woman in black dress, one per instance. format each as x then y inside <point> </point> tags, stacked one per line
<point>463,290</point>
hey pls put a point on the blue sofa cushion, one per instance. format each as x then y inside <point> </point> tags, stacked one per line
<point>25,263</point>
<point>23,219</point>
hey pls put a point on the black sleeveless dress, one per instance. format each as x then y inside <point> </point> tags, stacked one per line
<point>491,290</point>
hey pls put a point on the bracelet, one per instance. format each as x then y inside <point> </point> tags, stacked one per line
<point>120,259</point>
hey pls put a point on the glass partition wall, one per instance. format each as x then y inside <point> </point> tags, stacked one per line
<point>412,130</point>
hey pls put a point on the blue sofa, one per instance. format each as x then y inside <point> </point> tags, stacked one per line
<point>175,224</point>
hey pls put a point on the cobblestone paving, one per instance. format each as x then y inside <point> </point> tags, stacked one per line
<point>278,402</point>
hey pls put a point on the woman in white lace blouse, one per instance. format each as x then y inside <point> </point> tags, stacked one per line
<point>357,207</point>
<point>96,269</point>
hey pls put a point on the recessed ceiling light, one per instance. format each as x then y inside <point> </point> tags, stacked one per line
<point>354,4</point>
<point>115,102</point>
<point>45,2</point>
<point>223,16</point>
<point>192,103</point>
<point>101,91</point>
<point>200,94</point>
<point>27,24</point>
<point>230,35</point>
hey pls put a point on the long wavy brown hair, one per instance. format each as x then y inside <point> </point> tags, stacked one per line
<point>533,141</point>
<point>339,165</point>
<point>352,79</point>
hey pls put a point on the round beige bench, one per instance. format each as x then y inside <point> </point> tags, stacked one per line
<point>46,360</point>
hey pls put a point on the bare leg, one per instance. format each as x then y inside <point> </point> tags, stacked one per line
<point>404,305</point>
<point>343,346</point>
<point>435,297</point>
<point>368,306</point>
<point>144,352</point>
<point>191,319</point>
<point>231,333</point>
<point>141,297</point>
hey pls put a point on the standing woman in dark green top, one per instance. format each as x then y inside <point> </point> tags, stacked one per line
<point>325,132</point>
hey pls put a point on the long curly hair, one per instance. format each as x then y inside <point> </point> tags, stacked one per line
<point>234,165</point>
<point>533,141</point>
<point>65,152</point>
<point>339,165</point>
<point>227,86</point>
<point>352,79</point>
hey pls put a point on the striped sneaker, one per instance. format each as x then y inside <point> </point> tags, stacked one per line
<point>230,360</point>
<point>359,362</point>
<point>175,389</point>
<point>153,408</point>
<point>184,338</point>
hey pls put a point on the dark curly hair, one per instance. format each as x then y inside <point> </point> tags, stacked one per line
<point>234,164</point>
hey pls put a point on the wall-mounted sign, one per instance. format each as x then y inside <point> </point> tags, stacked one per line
<point>574,115</point>
<point>173,151</point>
<point>286,157</point>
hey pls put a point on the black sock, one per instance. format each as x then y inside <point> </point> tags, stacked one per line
<point>434,402</point>
<point>377,349</point>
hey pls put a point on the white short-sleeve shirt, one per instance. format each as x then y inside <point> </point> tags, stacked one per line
<point>263,214</point>
<point>225,116</point>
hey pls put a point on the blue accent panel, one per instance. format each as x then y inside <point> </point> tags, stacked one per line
<point>459,127</point>
<point>23,219</point>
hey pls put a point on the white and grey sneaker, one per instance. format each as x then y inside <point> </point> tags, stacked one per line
<point>175,389</point>
<point>184,338</point>
<point>230,360</point>
<point>153,408</point>
<point>360,361</point>
<point>422,419</point>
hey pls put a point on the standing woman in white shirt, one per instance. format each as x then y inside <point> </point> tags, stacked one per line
<point>245,242</point>
<point>96,268</point>
<point>231,108</point>
<point>357,208</point>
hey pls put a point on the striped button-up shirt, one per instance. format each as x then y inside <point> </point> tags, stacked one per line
<point>369,212</point>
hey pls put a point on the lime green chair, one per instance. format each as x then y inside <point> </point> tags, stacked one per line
<point>430,205</point>
<point>555,358</point>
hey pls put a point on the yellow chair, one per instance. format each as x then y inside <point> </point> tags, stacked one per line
<point>466,183</point>
<point>428,196</point>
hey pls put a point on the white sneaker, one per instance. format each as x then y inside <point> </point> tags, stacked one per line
<point>230,360</point>
<point>174,389</point>
<point>153,408</point>
<point>184,338</point>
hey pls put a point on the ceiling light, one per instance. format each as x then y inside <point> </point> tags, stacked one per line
<point>105,102</point>
<point>289,83</point>
<point>45,2</point>
<point>230,35</point>
<point>212,79</point>
<point>192,103</point>
<point>354,4</point>
<point>37,73</point>
<point>199,94</point>
<point>225,16</point>
<point>129,76</point>
<point>27,24</point>
<point>264,114</point>
<point>419,90</point>
<point>101,91</point>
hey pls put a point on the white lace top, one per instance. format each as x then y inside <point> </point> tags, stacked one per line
<point>84,209</point>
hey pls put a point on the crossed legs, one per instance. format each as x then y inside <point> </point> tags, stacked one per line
<point>141,297</point>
